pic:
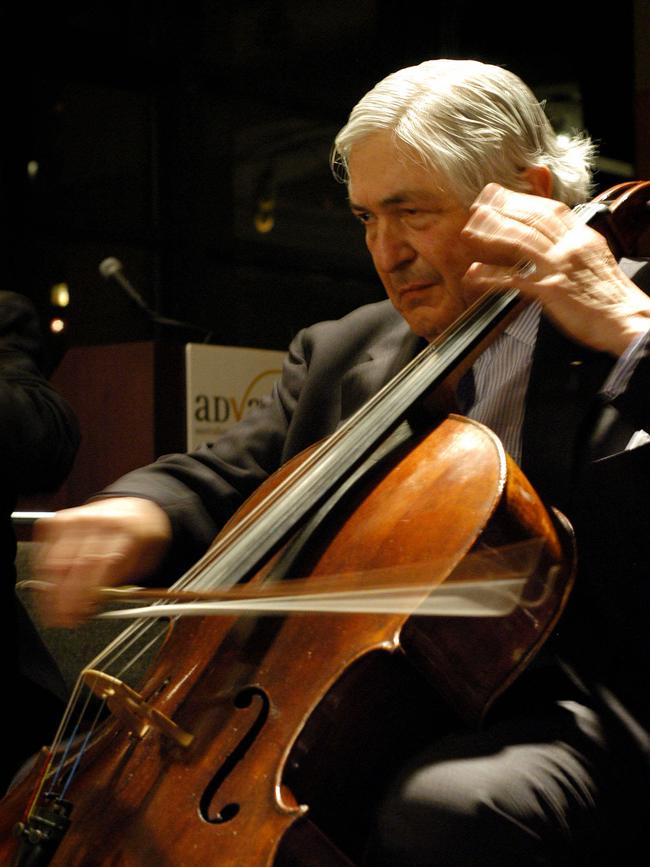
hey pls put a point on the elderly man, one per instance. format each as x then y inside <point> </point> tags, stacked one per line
<point>460,185</point>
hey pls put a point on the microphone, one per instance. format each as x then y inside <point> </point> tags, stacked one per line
<point>112,268</point>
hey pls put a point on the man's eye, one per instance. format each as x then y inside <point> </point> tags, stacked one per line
<point>363,217</point>
<point>417,217</point>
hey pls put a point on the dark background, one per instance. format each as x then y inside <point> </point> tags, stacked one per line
<point>157,130</point>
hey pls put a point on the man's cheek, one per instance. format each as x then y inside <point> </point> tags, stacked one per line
<point>474,282</point>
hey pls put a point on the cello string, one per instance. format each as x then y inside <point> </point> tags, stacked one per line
<point>67,746</point>
<point>64,738</point>
<point>81,752</point>
<point>57,755</point>
<point>120,645</point>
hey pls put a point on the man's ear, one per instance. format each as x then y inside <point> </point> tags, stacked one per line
<point>539,180</point>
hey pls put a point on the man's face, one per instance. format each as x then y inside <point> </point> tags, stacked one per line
<point>412,228</point>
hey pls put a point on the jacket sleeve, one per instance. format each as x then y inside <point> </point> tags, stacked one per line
<point>200,491</point>
<point>39,434</point>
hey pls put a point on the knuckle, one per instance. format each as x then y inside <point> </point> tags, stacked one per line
<point>559,209</point>
<point>489,192</point>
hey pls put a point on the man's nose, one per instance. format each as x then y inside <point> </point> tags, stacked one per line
<point>390,248</point>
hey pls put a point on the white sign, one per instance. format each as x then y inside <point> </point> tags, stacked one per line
<point>224,383</point>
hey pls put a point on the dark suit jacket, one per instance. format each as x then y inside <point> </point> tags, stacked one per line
<point>575,455</point>
<point>334,367</point>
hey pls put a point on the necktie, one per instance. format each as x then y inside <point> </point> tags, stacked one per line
<point>466,392</point>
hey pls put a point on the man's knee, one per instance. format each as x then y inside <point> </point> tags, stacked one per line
<point>443,814</point>
<point>481,800</point>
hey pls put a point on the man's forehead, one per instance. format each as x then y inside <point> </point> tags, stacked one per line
<point>386,173</point>
<point>399,197</point>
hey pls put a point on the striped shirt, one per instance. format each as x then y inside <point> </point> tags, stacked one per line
<point>501,374</point>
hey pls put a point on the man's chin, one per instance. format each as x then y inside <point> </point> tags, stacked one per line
<point>429,322</point>
<point>425,324</point>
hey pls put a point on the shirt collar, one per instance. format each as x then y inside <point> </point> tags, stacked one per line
<point>524,327</point>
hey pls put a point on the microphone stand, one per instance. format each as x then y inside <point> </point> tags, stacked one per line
<point>112,269</point>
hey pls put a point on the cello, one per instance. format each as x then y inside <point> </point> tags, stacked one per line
<point>207,762</point>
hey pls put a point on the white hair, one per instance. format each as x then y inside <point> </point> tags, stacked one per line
<point>472,122</point>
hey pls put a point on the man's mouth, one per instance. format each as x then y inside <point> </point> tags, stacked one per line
<point>411,290</point>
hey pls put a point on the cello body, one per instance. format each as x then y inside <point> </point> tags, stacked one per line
<point>260,696</point>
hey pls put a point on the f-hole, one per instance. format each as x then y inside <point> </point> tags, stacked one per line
<point>243,700</point>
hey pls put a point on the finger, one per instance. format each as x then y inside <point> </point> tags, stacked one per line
<point>73,595</point>
<point>526,247</point>
<point>77,563</point>
<point>80,547</point>
<point>481,278</point>
<point>497,240</point>
<point>526,208</point>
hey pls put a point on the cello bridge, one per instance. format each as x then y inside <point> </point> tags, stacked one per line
<point>134,711</point>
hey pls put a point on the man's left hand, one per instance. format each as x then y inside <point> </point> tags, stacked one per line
<point>540,247</point>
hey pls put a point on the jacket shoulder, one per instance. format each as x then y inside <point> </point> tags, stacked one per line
<point>367,327</point>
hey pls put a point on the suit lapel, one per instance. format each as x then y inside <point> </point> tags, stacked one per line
<point>562,411</point>
<point>384,360</point>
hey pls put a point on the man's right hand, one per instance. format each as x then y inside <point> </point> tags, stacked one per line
<point>108,542</point>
